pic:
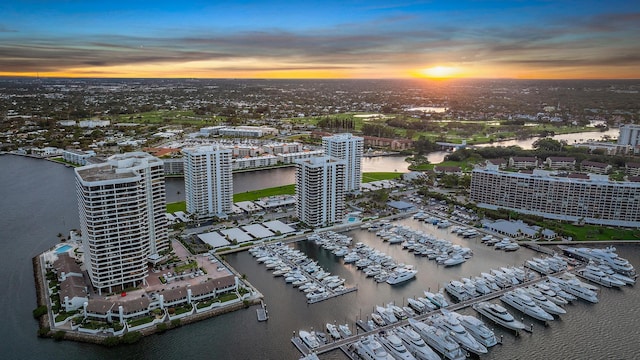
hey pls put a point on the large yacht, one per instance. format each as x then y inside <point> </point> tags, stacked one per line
<point>332,329</point>
<point>450,324</point>
<point>436,299</point>
<point>576,287</point>
<point>609,271</point>
<point>395,346</point>
<point>523,302</point>
<point>416,344</point>
<point>386,314</point>
<point>477,329</point>
<point>401,275</point>
<point>498,314</point>
<point>370,349</point>
<point>595,274</point>
<point>607,256</point>
<point>457,290</point>
<point>438,340</point>
<point>542,301</point>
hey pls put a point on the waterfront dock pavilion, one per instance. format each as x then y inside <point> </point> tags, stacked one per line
<point>593,199</point>
<point>208,181</point>
<point>348,148</point>
<point>320,190</point>
<point>122,205</point>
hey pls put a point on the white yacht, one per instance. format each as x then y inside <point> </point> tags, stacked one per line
<point>449,323</point>
<point>576,287</point>
<point>550,294</point>
<point>416,344</point>
<point>416,305</point>
<point>438,340</point>
<point>524,303</point>
<point>401,275</point>
<point>370,349</point>
<point>436,299</point>
<point>477,329</point>
<point>377,319</point>
<point>386,314</point>
<point>559,292</point>
<point>454,260</point>
<point>595,274</point>
<point>309,339</point>
<point>538,265</point>
<point>498,314</point>
<point>542,301</point>
<point>457,290</point>
<point>395,347</point>
<point>332,329</point>
<point>344,329</point>
<point>609,271</point>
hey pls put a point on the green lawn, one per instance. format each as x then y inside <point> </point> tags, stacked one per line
<point>177,206</point>
<point>258,194</point>
<point>594,232</point>
<point>375,176</point>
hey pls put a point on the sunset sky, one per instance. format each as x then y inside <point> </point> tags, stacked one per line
<point>321,39</point>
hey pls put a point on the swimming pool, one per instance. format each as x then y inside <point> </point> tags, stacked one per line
<point>63,249</point>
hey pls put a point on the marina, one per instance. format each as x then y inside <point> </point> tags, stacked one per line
<point>528,290</point>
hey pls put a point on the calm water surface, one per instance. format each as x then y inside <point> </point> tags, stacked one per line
<point>38,201</point>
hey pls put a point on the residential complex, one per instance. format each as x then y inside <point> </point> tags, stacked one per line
<point>593,199</point>
<point>208,181</point>
<point>122,209</point>
<point>630,135</point>
<point>320,188</point>
<point>349,149</point>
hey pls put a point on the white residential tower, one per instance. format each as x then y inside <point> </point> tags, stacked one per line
<point>348,148</point>
<point>208,181</point>
<point>320,190</point>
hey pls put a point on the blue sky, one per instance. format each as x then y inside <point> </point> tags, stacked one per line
<point>353,39</point>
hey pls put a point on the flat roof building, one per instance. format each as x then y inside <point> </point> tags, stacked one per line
<point>348,148</point>
<point>320,189</point>
<point>208,182</point>
<point>122,208</point>
<point>595,200</point>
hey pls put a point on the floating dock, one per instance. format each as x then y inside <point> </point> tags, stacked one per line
<point>263,314</point>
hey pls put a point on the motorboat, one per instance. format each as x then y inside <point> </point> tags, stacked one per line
<point>397,311</point>
<point>309,339</point>
<point>523,302</point>
<point>439,340</point>
<point>409,311</point>
<point>416,305</point>
<point>436,299</point>
<point>498,315</point>
<point>415,344</point>
<point>401,275</point>
<point>477,329</point>
<point>454,260</point>
<point>558,290</point>
<point>595,274</point>
<point>449,323</point>
<point>395,346</point>
<point>512,246</point>
<point>542,301</point>
<point>387,315</point>
<point>429,306</point>
<point>370,349</point>
<point>457,290</point>
<point>481,286</point>
<point>538,265</point>
<point>344,329</point>
<point>550,294</point>
<point>332,329</point>
<point>576,287</point>
<point>377,319</point>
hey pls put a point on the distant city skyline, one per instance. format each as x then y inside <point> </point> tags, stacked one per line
<point>329,39</point>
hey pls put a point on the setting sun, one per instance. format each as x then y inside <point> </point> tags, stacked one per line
<point>439,72</point>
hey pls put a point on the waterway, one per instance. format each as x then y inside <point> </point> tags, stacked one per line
<point>254,180</point>
<point>38,201</point>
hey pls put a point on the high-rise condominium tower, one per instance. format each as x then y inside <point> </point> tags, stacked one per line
<point>208,181</point>
<point>349,149</point>
<point>320,190</point>
<point>122,208</point>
